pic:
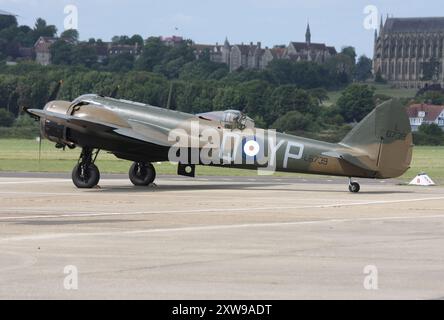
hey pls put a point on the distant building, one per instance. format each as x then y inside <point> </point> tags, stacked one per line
<point>42,50</point>
<point>420,114</point>
<point>254,56</point>
<point>116,49</point>
<point>308,51</point>
<point>103,50</point>
<point>172,41</point>
<point>404,45</point>
<point>26,53</point>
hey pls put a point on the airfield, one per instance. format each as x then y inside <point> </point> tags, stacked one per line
<point>219,238</point>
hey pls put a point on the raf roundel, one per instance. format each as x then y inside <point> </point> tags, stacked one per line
<point>252,148</point>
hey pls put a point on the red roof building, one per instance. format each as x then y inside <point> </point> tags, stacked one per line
<point>420,114</point>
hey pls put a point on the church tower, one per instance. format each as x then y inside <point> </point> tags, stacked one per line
<point>308,35</point>
<point>226,50</point>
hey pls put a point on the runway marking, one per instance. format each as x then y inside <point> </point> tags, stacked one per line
<point>34,181</point>
<point>52,236</point>
<point>199,211</point>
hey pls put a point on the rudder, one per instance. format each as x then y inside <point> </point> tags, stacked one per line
<point>385,135</point>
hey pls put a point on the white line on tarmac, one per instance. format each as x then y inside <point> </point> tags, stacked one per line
<point>218,210</point>
<point>52,236</point>
<point>34,181</point>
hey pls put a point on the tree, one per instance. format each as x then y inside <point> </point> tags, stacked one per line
<point>349,52</point>
<point>356,102</point>
<point>202,70</point>
<point>433,97</point>
<point>121,63</point>
<point>320,93</point>
<point>363,69</point>
<point>84,54</point>
<point>6,118</point>
<point>294,121</point>
<point>429,134</point>
<point>41,29</point>
<point>152,55</point>
<point>341,68</point>
<point>137,39</point>
<point>71,35</point>
<point>379,78</point>
<point>288,98</point>
<point>430,69</point>
<point>62,52</point>
<point>7,21</point>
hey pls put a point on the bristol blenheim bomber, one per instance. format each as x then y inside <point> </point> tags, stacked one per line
<point>380,147</point>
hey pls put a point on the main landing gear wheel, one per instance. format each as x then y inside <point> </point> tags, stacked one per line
<point>85,174</point>
<point>354,187</point>
<point>142,174</point>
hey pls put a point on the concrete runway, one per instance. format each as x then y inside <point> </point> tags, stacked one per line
<point>219,238</point>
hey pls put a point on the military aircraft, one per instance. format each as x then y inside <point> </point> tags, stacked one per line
<point>380,147</point>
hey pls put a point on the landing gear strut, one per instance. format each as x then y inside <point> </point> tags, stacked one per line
<point>142,174</point>
<point>354,187</point>
<point>85,174</point>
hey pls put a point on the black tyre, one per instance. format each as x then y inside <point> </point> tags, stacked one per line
<point>85,178</point>
<point>142,174</point>
<point>354,187</point>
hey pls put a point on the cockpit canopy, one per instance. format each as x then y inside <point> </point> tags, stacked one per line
<point>230,119</point>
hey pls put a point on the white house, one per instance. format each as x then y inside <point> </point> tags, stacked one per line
<point>425,114</point>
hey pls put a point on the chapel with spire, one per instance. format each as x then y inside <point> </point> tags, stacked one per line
<point>409,52</point>
<point>308,35</point>
<point>308,50</point>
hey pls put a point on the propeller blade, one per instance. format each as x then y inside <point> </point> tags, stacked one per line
<point>115,92</point>
<point>55,92</point>
<point>40,147</point>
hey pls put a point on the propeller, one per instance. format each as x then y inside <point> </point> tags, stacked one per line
<point>115,92</point>
<point>53,96</point>
<point>55,92</point>
<point>40,146</point>
<point>170,95</point>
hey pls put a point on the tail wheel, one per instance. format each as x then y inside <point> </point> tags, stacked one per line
<point>354,187</point>
<point>142,174</point>
<point>85,176</point>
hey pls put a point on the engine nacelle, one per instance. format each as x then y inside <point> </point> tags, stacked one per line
<point>52,130</point>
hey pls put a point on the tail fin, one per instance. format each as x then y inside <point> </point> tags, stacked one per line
<point>385,137</point>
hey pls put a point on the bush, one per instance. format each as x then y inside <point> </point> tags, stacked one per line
<point>6,118</point>
<point>429,135</point>
<point>295,121</point>
<point>356,102</point>
<point>19,133</point>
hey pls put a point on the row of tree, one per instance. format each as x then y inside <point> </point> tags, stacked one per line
<point>13,36</point>
<point>286,107</point>
<point>178,61</point>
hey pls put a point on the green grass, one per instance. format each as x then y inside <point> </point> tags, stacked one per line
<point>18,155</point>
<point>384,89</point>
<point>429,160</point>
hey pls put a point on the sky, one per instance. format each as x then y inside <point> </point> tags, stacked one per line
<point>272,22</point>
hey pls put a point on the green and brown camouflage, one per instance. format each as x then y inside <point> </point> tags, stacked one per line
<point>379,147</point>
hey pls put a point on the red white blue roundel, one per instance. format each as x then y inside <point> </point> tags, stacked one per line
<point>252,148</point>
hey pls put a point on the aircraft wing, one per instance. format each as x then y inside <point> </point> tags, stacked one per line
<point>149,134</point>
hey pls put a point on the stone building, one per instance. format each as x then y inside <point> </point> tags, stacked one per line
<point>409,51</point>
<point>254,56</point>
<point>42,50</point>
<point>308,51</point>
<point>103,50</point>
